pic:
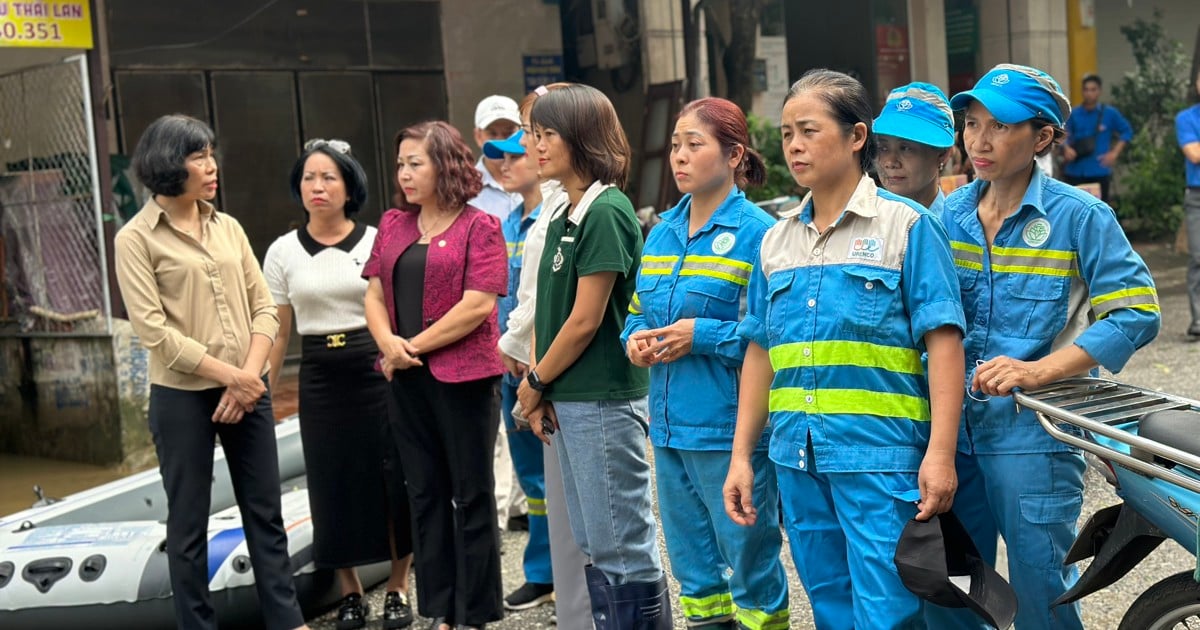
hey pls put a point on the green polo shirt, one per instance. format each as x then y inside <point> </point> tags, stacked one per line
<point>609,238</point>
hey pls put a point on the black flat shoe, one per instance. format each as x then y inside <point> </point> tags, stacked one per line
<point>352,614</point>
<point>396,611</point>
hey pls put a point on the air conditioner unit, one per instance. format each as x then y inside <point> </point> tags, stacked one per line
<point>610,44</point>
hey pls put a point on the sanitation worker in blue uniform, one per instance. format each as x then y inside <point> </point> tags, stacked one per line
<point>850,289</point>
<point>682,324</point>
<point>1051,289</point>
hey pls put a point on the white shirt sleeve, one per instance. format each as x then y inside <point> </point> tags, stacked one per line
<point>517,341</point>
<point>273,270</point>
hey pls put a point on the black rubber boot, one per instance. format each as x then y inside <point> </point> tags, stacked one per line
<point>597,586</point>
<point>640,606</point>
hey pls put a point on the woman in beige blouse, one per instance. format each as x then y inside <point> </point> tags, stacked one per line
<point>197,300</point>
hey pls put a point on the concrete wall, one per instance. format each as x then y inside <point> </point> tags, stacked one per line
<point>1181,19</point>
<point>484,43</point>
<point>1033,34</point>
<point>927,37</point>
<point>75,398</point>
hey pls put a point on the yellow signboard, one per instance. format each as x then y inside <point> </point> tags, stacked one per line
<point>45,24</point>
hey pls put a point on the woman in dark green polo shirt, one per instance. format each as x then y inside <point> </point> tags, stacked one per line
<point>580,381</point>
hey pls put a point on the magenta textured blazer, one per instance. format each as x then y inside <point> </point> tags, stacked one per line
<point>469,255</point>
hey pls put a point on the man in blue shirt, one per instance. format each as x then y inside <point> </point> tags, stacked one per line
<point>1187,130</point>
<point>1096,135</point>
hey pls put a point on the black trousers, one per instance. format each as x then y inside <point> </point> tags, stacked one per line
<point>1103,181</point>
<point>445,433</point>
<point>184,434</point>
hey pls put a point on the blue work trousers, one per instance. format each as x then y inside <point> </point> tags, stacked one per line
<point>526,451</point>
<point>723,569</point>
<point>843,529</point>
<point>1032,500</point>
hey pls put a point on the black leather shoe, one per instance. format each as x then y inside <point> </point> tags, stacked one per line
<point>353,612</point>
<point>396,611</point>
<point>1193,332</point>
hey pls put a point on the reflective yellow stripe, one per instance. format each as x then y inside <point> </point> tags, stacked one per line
<point>759,620</point>
<point>728,269</point>
<point>537,507</point>
<point>719,260</point>
<point>720,275</point>
<point>1053,254</point>
<point>1140,298</point>
<point>850,353</point>
<point>658,265</point>
<point>849,402</point>
<point>1035,271</point>
<point>635,304</point>
<point>966,247</point>
<point>1042,262</point>
<point>967,255</point>
<point>696,608</point>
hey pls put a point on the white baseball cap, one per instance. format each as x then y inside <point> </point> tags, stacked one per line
<point>496,107</point>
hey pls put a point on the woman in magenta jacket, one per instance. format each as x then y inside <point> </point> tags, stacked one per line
<point>434,274</point>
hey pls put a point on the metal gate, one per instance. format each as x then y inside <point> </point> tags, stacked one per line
<point>51,229</point>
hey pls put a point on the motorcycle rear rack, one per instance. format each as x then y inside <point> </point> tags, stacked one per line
<point>1097,405</point>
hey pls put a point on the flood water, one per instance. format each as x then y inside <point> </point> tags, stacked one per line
<point>57,479</point>
<point>18,474</point>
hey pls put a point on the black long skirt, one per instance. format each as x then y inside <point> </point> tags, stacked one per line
<point>355,482</point>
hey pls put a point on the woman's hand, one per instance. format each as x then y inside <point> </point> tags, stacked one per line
<point>1001,375</point>
<point>739,493</point>
<point>541,418</point>
<point>937,481</point>
<point>245,387</point>
<point>514,367</point>
<point>398,354</point>
<point>529,398</point>
<point>639,351</point>
<point>229,410</point>
<point>669,343</point>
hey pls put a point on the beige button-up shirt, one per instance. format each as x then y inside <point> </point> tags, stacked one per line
<point>191,296</point>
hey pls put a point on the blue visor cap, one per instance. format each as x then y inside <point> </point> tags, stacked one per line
<point>495,149</point>
<point>917,112</point>
<point>1014,94</point>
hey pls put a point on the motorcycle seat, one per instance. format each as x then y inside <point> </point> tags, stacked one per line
<point>1173,427</point>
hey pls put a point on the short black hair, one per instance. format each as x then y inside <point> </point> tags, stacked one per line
<point>1092,78</point>
<point>162,151</point>
<point>353,177</point>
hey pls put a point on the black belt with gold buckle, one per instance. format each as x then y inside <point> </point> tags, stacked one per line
<point>336,340</point>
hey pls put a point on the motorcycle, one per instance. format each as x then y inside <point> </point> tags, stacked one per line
<point>1148,445</point>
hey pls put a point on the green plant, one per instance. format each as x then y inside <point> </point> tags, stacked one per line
<point>765,137</point>
<point>1150,203</point>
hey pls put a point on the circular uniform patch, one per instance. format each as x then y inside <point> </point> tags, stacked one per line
<point>1036,232</point>
<point>723,243</point>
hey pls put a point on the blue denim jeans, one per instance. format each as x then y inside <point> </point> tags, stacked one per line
<point>606,478</point>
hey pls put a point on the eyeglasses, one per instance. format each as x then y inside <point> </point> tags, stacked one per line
<point>341,146</point>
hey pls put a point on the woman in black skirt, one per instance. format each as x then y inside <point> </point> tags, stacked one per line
<point>360,514</point>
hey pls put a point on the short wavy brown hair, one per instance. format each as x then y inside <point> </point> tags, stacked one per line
<point>458,181</point>
<point>587,122</point>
